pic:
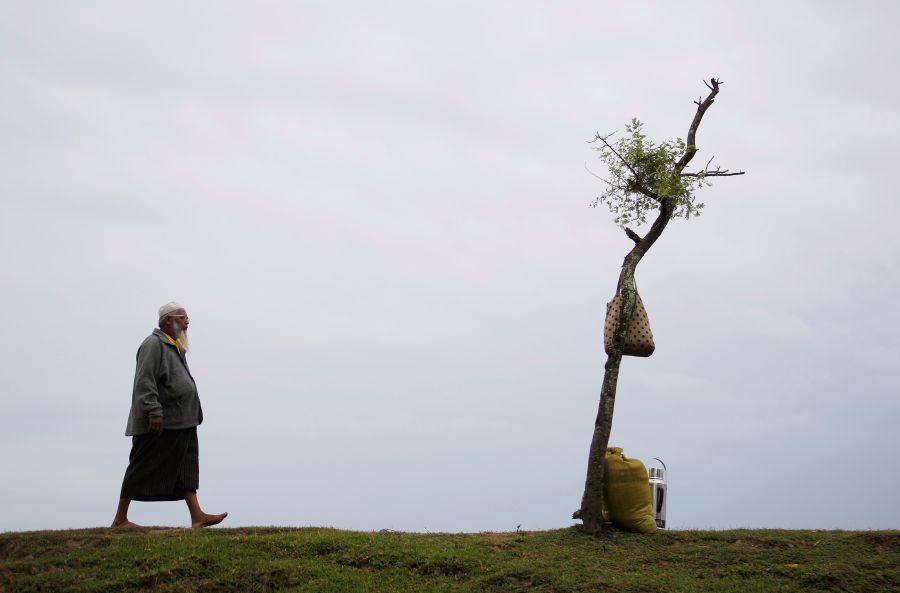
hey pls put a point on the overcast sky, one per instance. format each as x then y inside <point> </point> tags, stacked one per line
<point>377,217</point>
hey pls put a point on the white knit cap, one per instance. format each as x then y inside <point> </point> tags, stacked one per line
<point>168,309</point>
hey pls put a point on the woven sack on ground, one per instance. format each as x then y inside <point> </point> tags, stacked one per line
<point>626,492</point>
<point>639,339</point>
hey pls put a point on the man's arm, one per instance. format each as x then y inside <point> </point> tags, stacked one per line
<point>146,392</point>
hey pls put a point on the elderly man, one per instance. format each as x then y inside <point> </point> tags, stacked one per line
<point>165,413</point>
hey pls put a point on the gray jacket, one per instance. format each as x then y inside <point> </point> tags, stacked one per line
<point>163,386</point>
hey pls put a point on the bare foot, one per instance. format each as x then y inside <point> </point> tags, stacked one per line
<point>208,520</point>
<point>125,523</point>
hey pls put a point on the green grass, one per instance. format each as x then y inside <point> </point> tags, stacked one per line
<point>564,560</point>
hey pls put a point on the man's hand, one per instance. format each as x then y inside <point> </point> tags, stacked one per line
<point>156,424</point>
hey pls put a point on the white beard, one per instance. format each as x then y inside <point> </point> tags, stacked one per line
<point>181,339</point>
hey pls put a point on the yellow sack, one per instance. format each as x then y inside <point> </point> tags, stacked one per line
<point>627,492</point>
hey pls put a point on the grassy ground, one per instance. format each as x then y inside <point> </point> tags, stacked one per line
<point>565,560</point>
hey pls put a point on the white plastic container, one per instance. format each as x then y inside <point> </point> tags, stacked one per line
<point>658,493</point>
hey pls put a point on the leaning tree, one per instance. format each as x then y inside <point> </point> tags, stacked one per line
<point>643,177</point>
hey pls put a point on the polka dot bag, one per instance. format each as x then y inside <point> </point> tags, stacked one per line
<point>639,339</point>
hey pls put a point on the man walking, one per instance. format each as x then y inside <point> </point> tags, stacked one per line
<point>165,412</point>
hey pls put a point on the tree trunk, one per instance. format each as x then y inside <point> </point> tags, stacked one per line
<point>592,500</point>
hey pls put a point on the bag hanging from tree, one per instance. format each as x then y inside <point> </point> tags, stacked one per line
<point>639,339</point>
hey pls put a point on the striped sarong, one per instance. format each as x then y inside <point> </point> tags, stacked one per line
<point>162,466</point>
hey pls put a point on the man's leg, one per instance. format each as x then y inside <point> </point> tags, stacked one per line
<point>198,517</point>
<point>121,519</point>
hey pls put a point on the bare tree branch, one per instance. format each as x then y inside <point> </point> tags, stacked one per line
<point>717,172</point>
<point>724,173</point>
<point>633,236</point>
<point>586,168</point>
<point>702,106</point>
